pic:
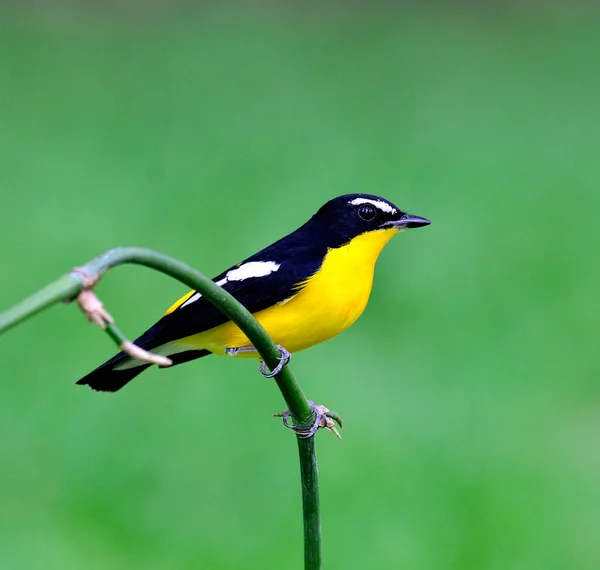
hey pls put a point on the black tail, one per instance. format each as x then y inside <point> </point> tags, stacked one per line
<point>106,379</point>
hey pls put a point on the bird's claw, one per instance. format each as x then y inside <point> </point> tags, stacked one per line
<point>284,358</point>
<point>324,418</point>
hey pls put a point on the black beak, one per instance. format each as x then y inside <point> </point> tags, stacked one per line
<point>410,221</point>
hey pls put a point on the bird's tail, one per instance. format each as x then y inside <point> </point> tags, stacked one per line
<point>109,377</point>
<point>121,368</point>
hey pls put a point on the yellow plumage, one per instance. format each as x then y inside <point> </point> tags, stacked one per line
<point>304,289</point>
<point>179,302</point>
<point>330,302</point>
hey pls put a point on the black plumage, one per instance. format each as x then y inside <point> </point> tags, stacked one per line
<point>299,255</point>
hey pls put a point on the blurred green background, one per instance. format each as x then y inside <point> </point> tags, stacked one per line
<point>469,388</point>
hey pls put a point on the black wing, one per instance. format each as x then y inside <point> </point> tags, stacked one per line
<point>296,264</point>
<point>298,260</point>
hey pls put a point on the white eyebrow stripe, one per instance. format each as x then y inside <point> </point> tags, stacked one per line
<point>252,269</point>
<point>380,204</point>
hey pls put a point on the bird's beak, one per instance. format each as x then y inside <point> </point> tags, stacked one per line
<point>410,221</point>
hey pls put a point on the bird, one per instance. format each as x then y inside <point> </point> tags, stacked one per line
<point>303,289</point>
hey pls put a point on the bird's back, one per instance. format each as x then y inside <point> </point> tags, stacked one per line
<point>328,303</point>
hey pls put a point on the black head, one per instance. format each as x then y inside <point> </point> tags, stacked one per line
<point>348,216</point>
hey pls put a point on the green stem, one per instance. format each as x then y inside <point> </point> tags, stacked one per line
<point>114,332</point>
<point>63,288</point>
<point>68,286</point>
<point>309,475</point>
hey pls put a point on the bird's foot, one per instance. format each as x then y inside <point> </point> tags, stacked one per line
<point>324,418</point>
<point>284,358</point>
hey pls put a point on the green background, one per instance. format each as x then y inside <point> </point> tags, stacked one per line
<point>469,388</point>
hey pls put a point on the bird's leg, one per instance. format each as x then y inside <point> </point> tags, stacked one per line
<point>284,358</point>
<point>324,418</point>
<point>239,350</point>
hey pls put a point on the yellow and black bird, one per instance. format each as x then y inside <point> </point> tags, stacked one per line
<point>305,288</point>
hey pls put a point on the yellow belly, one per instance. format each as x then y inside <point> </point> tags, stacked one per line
<point>329,303</point>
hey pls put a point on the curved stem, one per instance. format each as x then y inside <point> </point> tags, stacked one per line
<point>68,286</point>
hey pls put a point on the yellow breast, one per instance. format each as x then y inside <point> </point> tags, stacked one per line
<point>329,303</point>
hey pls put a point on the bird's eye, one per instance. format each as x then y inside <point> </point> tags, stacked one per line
<point>367,213</point>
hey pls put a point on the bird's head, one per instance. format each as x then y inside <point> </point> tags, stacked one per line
<point>351,215</point>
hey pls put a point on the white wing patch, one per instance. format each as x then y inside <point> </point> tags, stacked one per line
<point>379,204</point>
<point>245,271</point>
<point>193,298</point>
<point>252,269</point>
